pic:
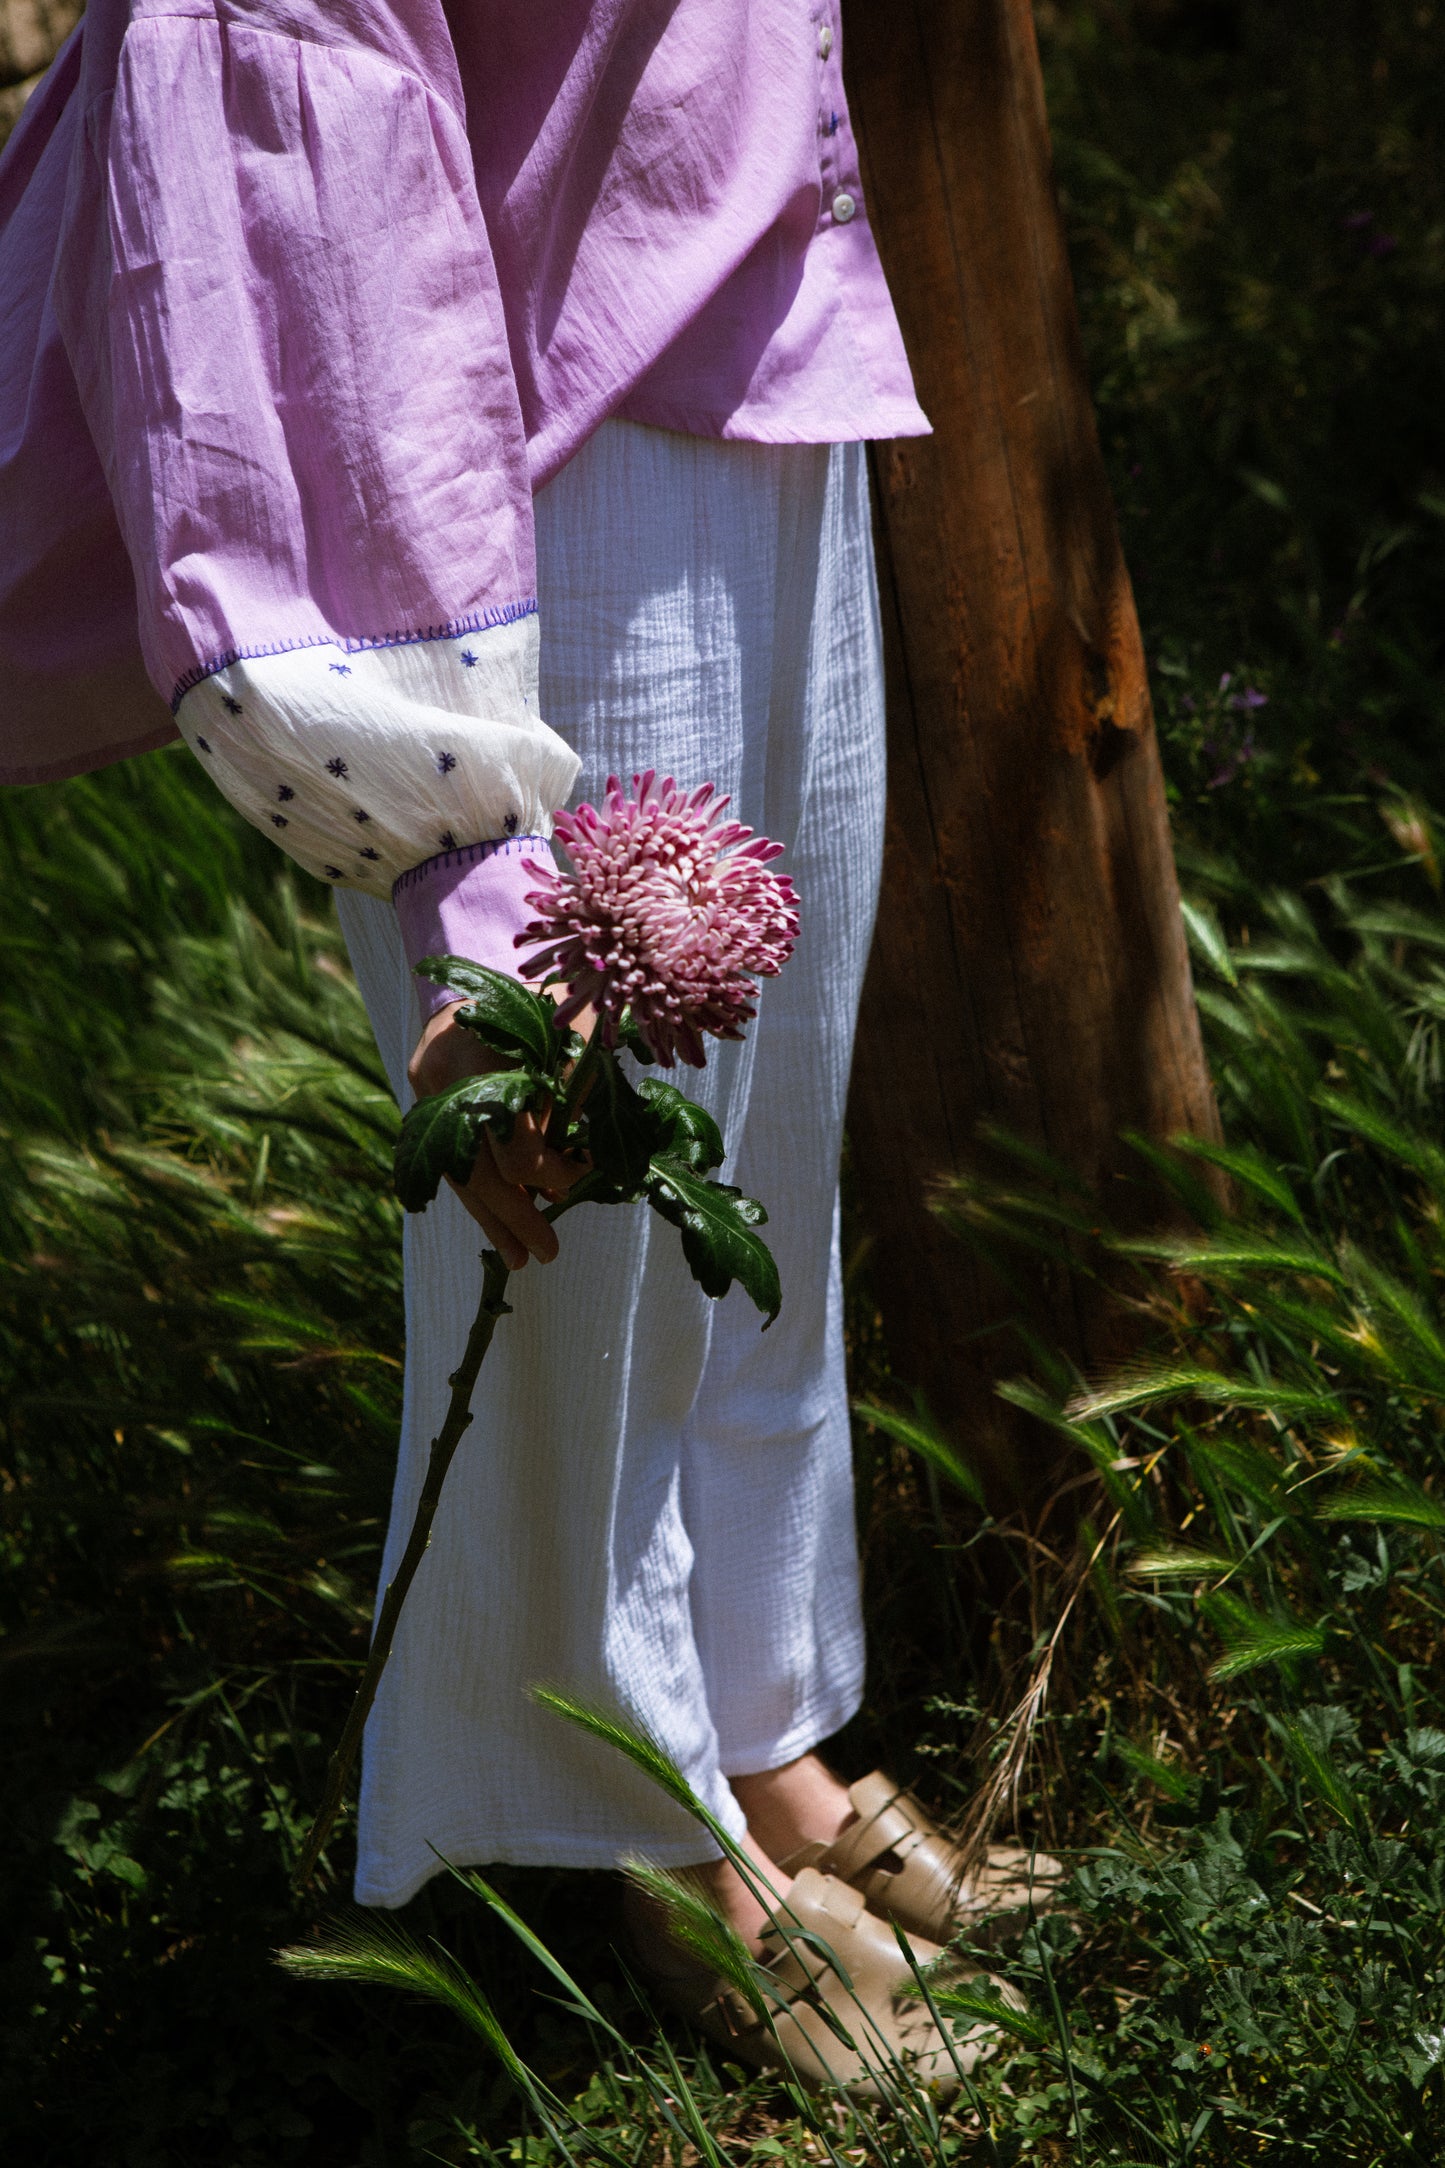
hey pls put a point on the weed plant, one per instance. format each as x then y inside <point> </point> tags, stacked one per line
<point>1231,1618</point>
<point>1255,1967</point>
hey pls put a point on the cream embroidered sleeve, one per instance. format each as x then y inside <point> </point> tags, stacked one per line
<point>364,762</point>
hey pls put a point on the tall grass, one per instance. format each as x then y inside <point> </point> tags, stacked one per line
<point>1225,1634</point>
<point>1256,1962</point>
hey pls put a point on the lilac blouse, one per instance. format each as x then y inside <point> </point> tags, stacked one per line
<point>303,298</point>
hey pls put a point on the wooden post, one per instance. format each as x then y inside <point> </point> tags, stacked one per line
<point>1030,964</point>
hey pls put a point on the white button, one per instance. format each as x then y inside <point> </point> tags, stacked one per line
<point>844,207</point>
<point>825,41</point>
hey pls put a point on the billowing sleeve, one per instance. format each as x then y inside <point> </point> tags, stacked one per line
<point>315,444</point>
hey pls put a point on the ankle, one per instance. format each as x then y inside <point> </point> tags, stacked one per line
<point>747,1903</point>
<point>728,1893</point>
<point>800,1803</point>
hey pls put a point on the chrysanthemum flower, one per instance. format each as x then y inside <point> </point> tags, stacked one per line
<point>670,912</point>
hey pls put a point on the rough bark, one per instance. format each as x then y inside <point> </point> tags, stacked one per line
<point>1030,966</point>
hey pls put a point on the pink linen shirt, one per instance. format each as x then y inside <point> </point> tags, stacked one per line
<point>304,298</point>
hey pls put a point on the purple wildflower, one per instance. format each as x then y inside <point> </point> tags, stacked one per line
<point>670,913</point>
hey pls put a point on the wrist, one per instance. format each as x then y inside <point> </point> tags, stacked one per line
<point>470,902</point>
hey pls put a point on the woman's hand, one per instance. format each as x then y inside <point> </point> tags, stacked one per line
<point>499,1191</point>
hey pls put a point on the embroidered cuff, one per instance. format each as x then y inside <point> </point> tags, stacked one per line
<point>360,760</point>
<point>471,903</point>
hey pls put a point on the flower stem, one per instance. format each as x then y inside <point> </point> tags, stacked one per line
<point>449,1437</point>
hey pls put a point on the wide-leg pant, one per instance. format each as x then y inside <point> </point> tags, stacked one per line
<point>653,1507</point>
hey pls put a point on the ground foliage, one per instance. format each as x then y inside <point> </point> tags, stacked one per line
<point>1241,1740</point>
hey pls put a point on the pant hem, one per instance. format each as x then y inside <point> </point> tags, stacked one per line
<point>800,1738</point>
<point>533,1851</point>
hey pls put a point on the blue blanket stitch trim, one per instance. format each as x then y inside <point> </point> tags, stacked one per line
<point>455,628</point>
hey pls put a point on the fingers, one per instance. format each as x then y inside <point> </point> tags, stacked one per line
<point>527,1159</point>
<point>497,1192</point>
<point>505,1212</point>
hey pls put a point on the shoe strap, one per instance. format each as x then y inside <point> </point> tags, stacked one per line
<point>888,1821</point>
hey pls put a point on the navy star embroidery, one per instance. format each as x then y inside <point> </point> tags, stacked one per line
<point>468,659</point>
<point>342,669</point>
<point>284,792</point>
<point>232,707</point>
<point>510,824</point>
<point>333,873</point>
<point>369,853</point>
<point>279,820</point>
<point>445,763</point>
<point>360,815</point>
<point>336,766</point>
<point>201,742</point>
<point>447,840</point>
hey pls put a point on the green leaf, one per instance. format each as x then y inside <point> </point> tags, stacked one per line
<point>1178,1562</point>
<point>1406,1342</point>
<point>621,1134</point>
<point>718,1241</point>
<point>1272,1644</point>
<point>1175,1783</point>
<point>381,1955</point>
<point>504,1014</point>
<point>1149,1383</point>
<point>981,2002</point>
<point>442,1135</point>
<point>928,1440</point>
<point>1233,1256</point>
<point>631,1038</point>
<point>1252,1638</point>
<point>1394,1501</point>
<point>1240,1464</point>
<point>1321,1775</point>
<point>1207,938</point>
<point>683,1130</point>
<point>1247,1166</point>
<point>1413,1150</point>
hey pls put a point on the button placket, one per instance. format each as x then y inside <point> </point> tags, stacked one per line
<point>839,184</point>
<point>828,116</point>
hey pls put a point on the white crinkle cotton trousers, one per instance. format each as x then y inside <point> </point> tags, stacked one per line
<point>653,1507</point>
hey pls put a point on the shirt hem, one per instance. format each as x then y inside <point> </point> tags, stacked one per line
<point>903,420</point>
<point>450,628</point>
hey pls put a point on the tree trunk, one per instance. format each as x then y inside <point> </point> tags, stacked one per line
<point>1030,965</point>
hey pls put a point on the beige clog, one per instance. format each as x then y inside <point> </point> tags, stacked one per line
<point>907,1870</point>
<point>852,2019</point>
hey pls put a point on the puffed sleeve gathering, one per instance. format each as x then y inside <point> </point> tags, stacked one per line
<point>316,449</point>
